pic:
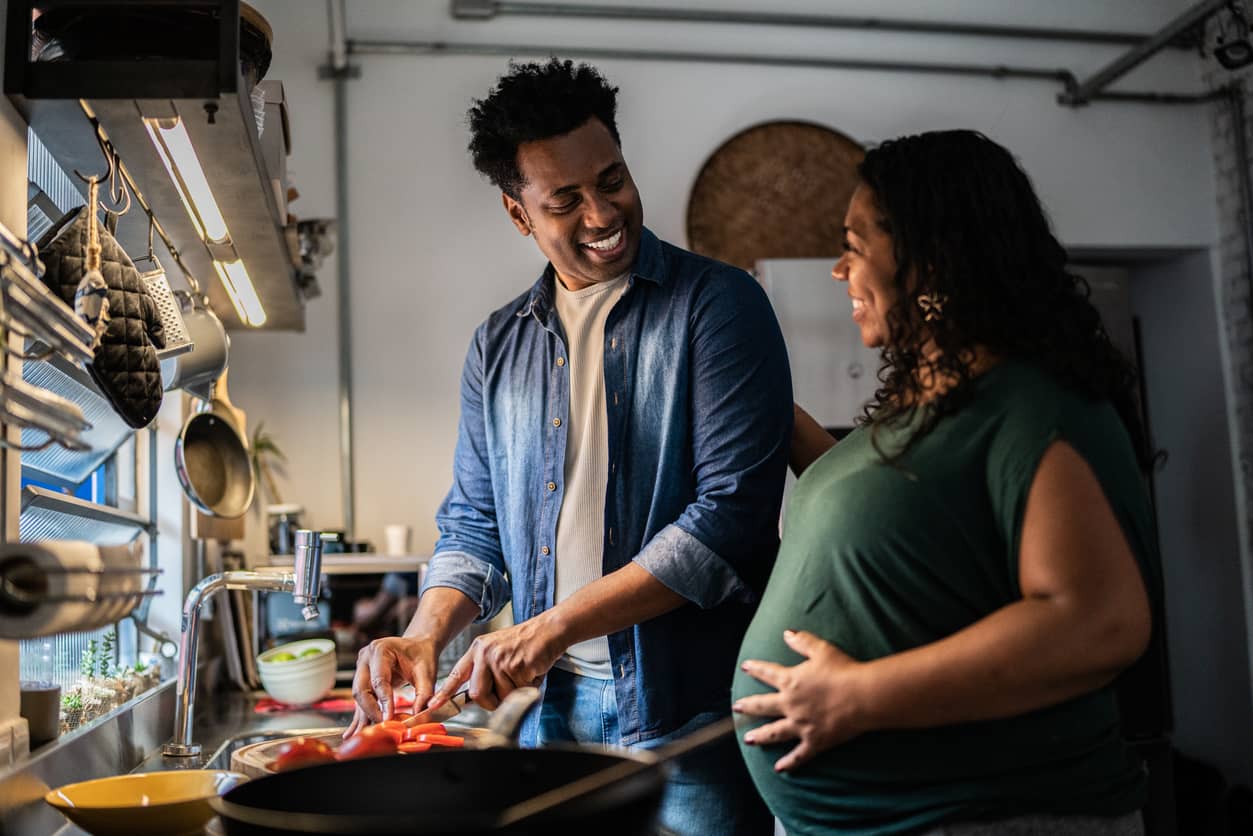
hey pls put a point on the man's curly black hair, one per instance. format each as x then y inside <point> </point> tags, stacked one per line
<point>967,225</point>
<point>533,102</point>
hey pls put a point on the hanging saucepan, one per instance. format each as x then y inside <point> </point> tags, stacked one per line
<point>194,371</point>
<point>211,458</point>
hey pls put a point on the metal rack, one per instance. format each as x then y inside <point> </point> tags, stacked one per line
<point>51,330</point>
<point>29,304</point>
<point>72,103</point>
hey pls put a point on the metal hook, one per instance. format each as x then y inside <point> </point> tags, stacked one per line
<point>119,194</point>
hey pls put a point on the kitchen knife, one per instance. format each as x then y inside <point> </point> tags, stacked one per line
<point>446,711</point>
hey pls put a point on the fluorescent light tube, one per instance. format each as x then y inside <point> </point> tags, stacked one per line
<point>243,295</point>
<point>181,163</point>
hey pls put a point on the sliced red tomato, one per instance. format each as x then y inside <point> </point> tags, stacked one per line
<point>366,746</point>
<point>412,732</point>
<point>303,751</point>
<point>395,734</point>
<point>413,748</point>
<point>395,728</point>
<point>451,741</point>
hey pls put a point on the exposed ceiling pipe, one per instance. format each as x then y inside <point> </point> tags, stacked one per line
<point>378,47</point>
<point>337,26</point>
<point>340,72</point>
<point>1085,91</point>
<point>487,9</point>
<point>1235,102</point>
<point>996,71</point>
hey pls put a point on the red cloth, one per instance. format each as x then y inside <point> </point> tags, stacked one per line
<point>268,705</point>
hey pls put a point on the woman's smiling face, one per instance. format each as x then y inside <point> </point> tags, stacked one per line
<point>869,266</point>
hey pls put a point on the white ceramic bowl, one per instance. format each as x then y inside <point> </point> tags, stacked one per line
<point>302,680</point>
<point>324,647</point>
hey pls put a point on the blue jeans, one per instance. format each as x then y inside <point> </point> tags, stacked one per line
<point>709,791</point>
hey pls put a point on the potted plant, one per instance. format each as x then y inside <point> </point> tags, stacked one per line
<point>264,452</point>
<point>138,675</point>
<point>71,710</point>
<point>112,677</point>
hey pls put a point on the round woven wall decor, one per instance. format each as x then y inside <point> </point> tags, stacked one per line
<point>775,190</point>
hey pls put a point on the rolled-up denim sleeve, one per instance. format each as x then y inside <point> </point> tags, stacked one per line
<point>723,545</point>
<point>687,566</point>
<point>468,555</point>
<point>477,579</point>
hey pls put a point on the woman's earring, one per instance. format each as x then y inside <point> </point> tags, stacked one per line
<point>932,305</point>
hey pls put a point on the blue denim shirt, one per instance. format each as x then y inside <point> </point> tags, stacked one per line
<point>699,404</point>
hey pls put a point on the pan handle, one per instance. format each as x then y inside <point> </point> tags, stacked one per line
<point>553,798</point>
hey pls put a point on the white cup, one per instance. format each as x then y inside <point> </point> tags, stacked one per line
<point>396,539</point>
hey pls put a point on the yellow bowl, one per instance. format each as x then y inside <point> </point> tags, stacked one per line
<point>144,804</point>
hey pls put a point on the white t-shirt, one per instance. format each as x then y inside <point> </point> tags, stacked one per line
<point>579,554</point>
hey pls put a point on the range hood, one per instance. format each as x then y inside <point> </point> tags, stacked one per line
<point>67,102</point>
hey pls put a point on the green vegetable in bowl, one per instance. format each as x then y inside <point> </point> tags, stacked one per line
<point>310,651</point>
<point>283,657</point>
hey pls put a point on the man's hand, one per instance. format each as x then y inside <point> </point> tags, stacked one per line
<point>385,664</point>
<point>816,701</point>
<point>501,661</point>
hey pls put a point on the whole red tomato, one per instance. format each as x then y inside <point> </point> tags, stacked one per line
<point>302,751</point>
<point>366,746</point>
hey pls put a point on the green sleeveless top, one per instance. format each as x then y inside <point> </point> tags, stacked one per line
<point>879,559</point>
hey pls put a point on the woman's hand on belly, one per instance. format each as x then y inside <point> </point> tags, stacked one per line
<point>816,702</point>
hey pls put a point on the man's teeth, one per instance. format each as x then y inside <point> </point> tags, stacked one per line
<point>857,304</point>
<point>606,243</point>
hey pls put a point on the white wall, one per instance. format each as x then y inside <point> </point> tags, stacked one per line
<point>1196,512</point>
<point>432,252</point>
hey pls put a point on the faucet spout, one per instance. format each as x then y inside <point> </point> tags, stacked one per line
<point>305,584</point>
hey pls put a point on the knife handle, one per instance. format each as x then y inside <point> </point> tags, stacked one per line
<point>446,711</point>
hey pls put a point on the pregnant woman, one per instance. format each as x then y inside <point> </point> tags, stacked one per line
<point>961,578</point>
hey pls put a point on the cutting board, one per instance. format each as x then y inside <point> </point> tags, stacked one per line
<point>216,528</point>
<point>254,759</point>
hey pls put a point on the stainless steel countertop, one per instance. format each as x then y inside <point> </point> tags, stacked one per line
<point>129,740</point>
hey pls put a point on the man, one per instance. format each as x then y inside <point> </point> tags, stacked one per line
<point>619,465</point>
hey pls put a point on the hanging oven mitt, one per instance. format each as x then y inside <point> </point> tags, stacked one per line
<point>126,367</point>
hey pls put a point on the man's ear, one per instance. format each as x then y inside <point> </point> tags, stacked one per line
<point>517,214</point>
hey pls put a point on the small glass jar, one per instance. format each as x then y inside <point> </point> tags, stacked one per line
<point>284,521</point>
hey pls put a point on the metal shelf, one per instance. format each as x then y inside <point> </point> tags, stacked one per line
<point>47,515</point>
<point>55,464</point>
<point>211,100</point>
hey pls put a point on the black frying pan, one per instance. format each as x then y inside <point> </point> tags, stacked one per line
<point>568,789</point>
<point>456,792</point>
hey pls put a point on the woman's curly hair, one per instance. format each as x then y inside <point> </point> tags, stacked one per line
<point>533,102</point>
<point>968,229</point>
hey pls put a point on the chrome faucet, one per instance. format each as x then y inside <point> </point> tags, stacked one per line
<point>304,582</point>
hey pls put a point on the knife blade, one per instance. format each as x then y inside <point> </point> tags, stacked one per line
<point>446,711</point>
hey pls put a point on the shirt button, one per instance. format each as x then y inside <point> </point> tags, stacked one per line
<point>543,549</point>
<point>552,486</point>
<point>561,361</point>
<point>613,343</point>
<point>556,422</point>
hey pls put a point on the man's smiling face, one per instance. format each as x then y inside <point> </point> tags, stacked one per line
<point>580,203</point>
